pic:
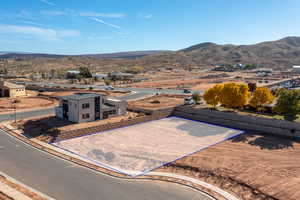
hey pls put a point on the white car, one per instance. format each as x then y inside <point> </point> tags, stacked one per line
<point>189,101</point>
<point>109,88</point>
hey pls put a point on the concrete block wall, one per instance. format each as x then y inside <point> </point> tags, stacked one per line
<point>243,122</point>
<point>85,131</point>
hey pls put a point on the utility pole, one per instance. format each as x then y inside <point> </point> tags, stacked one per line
<point>15,109</point>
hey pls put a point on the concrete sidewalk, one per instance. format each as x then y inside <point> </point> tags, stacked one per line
<point>14,193</point>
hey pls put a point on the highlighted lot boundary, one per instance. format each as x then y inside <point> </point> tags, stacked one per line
<point>136,150</point>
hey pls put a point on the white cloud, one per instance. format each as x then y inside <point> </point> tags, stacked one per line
<point>68,33</point>
<point>53,12</point>
<point>48,2</point>
<point>146,16</point>
<point>44,33</point>
<point>92,37</point>
<point>97,14</point>
<point>32,23</point>
<point>70,12</point>
<point>24,14</point>
<point>105,23</point>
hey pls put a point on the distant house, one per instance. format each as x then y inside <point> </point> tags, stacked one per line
<point>86,107</point>
<point>73,71</point>
<point>8,89</point>
<point>264,72</point>
<point>296,69</point>
<point>120,76</point>
<point>100,76</point>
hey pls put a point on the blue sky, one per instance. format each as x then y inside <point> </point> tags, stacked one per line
<point>98,26</point>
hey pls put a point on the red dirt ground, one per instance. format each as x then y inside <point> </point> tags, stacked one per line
<point>251,166</point>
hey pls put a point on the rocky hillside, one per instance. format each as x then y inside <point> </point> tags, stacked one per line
<point>278,54</point>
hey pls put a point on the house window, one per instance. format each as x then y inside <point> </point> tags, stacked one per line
<point>85,105</point>
<point>112,112</point>
<point>86,116</point>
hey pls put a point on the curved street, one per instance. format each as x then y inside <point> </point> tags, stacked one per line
<point>63,180</point>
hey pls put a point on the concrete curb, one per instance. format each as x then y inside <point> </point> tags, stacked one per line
<point>15,194</point>
<point>212,191</point>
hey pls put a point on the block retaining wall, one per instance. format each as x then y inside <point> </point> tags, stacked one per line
<point>244,122</point>
<point>85,131</point>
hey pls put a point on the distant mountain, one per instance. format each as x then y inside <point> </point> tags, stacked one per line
<point>280,53</point>
<point>129,54</point>
<point>9,54</point>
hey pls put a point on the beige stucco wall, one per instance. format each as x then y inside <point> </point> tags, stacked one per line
<point>90,110</point>
<point>17,92</point>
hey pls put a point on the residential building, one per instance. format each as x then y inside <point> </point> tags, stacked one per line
<point>8,89</point>
<point>262,72</point>
<point>73,72</point>
<point>99,76</point>
<point>296,69</point>
<point>86,107</point>
<point>120,76</point>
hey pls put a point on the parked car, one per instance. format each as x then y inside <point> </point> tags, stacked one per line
<point>189,101</point>
<point>187,91</point>
<point>109,88</point>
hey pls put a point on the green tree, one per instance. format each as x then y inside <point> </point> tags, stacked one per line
<point>107,81</point>
<point>288,103</point>
<point>3,71</point>
<point>135,69</point>
<point>85,72</point>
<point>196,97</point>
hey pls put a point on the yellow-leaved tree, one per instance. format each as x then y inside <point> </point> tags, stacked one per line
<point>261,96</point>
<point>212,95</point>
<point>234,95</point>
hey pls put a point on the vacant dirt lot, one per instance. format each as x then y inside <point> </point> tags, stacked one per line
<point>158,102</point>
<point>176,83</point>
<point>24,103</point>
<point>252,166</point>
<point>142,147</point>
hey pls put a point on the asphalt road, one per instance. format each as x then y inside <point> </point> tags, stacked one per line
<point>63,180</point>
<point>138,92</point>
<point>27,114</point>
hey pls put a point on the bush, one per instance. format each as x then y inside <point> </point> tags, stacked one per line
<point>196,97</point>
<point>155,102</point>
<point>288,102</point>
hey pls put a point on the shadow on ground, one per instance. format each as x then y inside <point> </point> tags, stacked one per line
<point>45,129</point>
<point>265,141</point>
<point>203,129</point>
